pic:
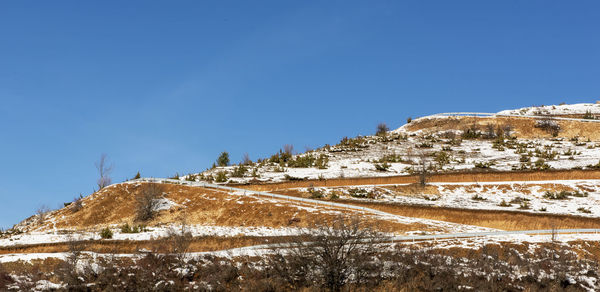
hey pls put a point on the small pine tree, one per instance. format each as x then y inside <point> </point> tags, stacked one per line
<point>137,175</point>
<point>106,233</point>
<point>223,159</point>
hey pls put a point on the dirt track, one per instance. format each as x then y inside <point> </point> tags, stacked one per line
<point>473,177</point>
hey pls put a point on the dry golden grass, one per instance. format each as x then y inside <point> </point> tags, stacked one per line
<point>48,265</point>
<point>413,190</point>
<point>116,205</point>
<point>198,244</point>
<point>200,206</point>
<point>523,127</point>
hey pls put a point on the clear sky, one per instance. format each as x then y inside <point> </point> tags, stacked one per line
<point>164,86</point>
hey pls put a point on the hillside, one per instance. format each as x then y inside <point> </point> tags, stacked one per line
<point>464,187</point>
<point>445,143</point>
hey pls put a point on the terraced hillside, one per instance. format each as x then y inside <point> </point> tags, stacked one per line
<point>447,185</point>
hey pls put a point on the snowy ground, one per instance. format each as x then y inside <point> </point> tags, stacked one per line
<point>472,242</point>
<point>357,159</point>
<point>527,196</point>
<point>408,150</point>
<point>565,109</point>
<point>152,233</point>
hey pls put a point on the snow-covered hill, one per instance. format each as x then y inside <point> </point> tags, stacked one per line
<point>443,144</point>
<point>562,109</point>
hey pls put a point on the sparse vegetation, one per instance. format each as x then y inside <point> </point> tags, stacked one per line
<point>556,196</point>
<point>442,158</point>
<point>477,197</point>
<point>132,229</point>
<point>315,193</point>
<point>484,164</point>
<point>77,204</point>
<point>239,171</point>
<point>563,195</point>
<point>382,166</point>
<point>106,233</point>
<point>524,205</point>
<point>548,125</point>
<point>361,193</point>
<point>584,210</point>
<point>221,176</point>
<point>472,132</point>
<point>594,166</point>
<point>393,157</point>
<point>519,200</point>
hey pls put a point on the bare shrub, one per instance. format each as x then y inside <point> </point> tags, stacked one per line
<point>490,132</point>
<point>179,241</point>
<point>288,149</point>
<point>423,169</point>
<point>507,129</point>
<point>41,213</point>
<point>104,170</point>
<point>68,269</point>
<point>548,125</point>
<point>246,159</point>
<point>329,255</point>
<point>382,129</point>
<point>77,204</point>
<point>5,279</point>
<point>147,201</point>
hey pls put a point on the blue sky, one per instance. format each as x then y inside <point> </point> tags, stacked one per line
<point>165,86</point>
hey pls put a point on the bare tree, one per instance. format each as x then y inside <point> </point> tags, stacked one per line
<point>246,159</point>
<point>104,171</point>
<point>288,149</point>
<point>41,213</point>
<point>147,201</point>
<point>330,255</point>
<point>423,168</point>
<point>490,132</point>
<point>382,129</point>
<point>68,269</point>
<point>180,240</point>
